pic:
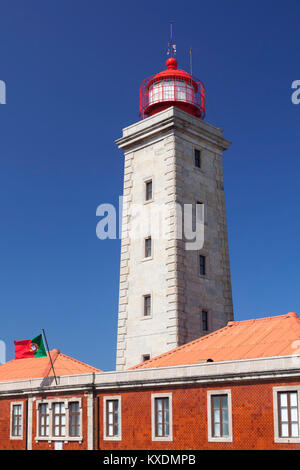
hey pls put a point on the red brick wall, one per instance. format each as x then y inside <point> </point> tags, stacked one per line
<point>252,410</point>
<point>5,442</point>
<point>252,417</point>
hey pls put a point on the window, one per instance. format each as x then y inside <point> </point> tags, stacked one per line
<point>219,416</point>
<point>43,419</point>
<point>112,418</point>
<point>162,425</point>
<point>204,315</point>
<point>145,357</point>
<point>16,421</point>
<point>148,247</point>
<point>112,415</point>
<point>219,412</point>
<point>288,420</point>
<point>197,155</point>
<point>148,190</point>
<point>202,262</point>
<point>74,419</point>
<point>59,419</point>
<point>286,404</point>
<point>147,305</point>
<point>161,411</point>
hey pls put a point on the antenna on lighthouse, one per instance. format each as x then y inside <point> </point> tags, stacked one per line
<point>191,61</point>
<point>171,46</point>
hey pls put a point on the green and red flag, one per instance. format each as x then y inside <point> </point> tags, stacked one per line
<point>30,348</point>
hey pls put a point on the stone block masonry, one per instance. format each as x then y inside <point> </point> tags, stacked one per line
<point>161,149</point>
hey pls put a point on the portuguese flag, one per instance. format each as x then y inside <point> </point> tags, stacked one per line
<point>30,348</point>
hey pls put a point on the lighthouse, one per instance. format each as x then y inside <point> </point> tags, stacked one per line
<point>170,295</point>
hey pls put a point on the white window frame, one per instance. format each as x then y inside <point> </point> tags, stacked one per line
<point>143,357</point>
<point>200,151</point>
<point>119,436</point>
<point>146,180</point>
<point>208,311</point>
<point>207,267</point>
<point>51,436</point>
<point>11,436</point>
<point>143,249</point>
<point>147,317</point>
<point>276,390</point>
<point>211,438</point>
<point>168,438</point>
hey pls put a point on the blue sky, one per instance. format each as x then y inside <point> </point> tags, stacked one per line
<point>73,70</point>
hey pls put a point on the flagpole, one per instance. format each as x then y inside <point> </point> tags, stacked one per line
<point>44,334</point>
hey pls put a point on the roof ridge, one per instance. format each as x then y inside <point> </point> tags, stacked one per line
<point>183,346</point>
<point>272,317</point>
<point>230,324</point>
<point>55,353</point>
<point>79,362</point>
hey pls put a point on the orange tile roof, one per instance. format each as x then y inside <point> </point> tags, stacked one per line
<point>262,337</point>
<point>19,369</point>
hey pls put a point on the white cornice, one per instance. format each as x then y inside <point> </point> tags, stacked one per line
<point>172,119</point>
<point>282,367</point>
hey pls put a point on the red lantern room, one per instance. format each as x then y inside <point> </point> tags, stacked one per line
<point>172,87</point>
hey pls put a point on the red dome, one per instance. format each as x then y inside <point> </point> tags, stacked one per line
<point>172,87</point>
<point>172,71</point>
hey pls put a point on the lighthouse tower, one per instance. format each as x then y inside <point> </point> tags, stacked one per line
<point>171,291</point>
